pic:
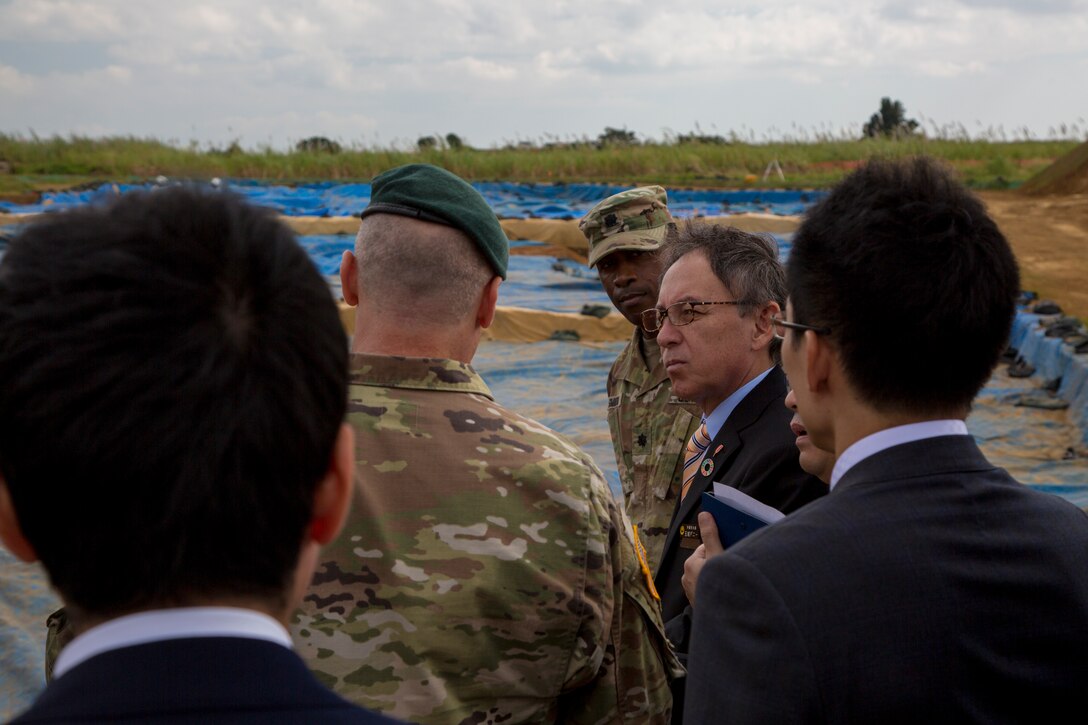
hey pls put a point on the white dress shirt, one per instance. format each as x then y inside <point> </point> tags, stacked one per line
<point>162,624</point>
<point>884,439</point>
<point>719,415</point>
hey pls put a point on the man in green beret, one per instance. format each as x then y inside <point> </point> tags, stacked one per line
<point>486,573</point>
<point>650,426</point>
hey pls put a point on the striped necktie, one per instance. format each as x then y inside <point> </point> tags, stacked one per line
<point>696,448</point>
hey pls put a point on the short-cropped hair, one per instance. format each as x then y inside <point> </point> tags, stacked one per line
<point>913,278</point>
<point>172,381</point>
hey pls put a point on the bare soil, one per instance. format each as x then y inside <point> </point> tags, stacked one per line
<point>1049,235</point>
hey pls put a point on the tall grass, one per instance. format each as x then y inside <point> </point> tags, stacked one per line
<point>717,161</point>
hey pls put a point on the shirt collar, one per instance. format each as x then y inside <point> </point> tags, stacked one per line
<point>881,440</point>
<point>162,624</point>
<point>719,415</point>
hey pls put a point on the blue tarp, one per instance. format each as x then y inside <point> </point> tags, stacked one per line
<point>565,286</point>
<point>562,384</point>
<point>509,200</point>
<point>536,282</point>
<point>1054,360</point>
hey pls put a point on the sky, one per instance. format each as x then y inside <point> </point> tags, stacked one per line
<point>382,73</point>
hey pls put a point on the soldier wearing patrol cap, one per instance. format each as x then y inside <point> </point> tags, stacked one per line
<point>650,426</point>
<point>486,573</point>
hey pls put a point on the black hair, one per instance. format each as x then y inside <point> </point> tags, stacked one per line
<point>915,281</point>
<point>172,381</point>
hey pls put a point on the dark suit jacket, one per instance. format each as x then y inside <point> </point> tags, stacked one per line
<point>754,452</point>
<point>928,587</point>
<point>195,680</point>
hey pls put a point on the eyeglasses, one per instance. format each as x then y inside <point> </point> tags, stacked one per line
<point>780,327</point>
<point>680,313</point>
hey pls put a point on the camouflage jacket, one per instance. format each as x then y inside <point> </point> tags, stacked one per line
<point>650,430</point>
<point>486,573</point>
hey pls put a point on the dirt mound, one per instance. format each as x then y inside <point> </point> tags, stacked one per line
<point>1067,175</point>
<point>1049,235</point>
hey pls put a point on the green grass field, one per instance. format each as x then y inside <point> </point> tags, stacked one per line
<point>30,165</point>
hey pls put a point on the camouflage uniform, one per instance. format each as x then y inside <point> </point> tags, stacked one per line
<point>486,574</point>
<point>650,429</point>
<point>58,633</point>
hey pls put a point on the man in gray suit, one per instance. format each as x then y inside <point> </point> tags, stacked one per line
<point>928,585</point>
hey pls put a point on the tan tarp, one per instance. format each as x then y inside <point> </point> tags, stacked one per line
<point>556,232</point>
<point>306,225</point>
<point>561,236</point>
<point>6,219</point>
<point>519,324</point>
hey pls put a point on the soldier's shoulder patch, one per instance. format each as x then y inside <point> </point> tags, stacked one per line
<point>644,564</point>
<point>613,401</point>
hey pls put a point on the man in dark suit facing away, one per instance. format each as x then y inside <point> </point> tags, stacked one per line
<point>720,288</point>
<point>928,585</point>
<point>172,393</point>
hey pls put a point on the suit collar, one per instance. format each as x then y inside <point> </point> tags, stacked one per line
<point>926,457</point>
<point>182,675</point>
<point>161,624</point>
<point>890,437</point>
<point>730,439</point>
<point>717,418</point>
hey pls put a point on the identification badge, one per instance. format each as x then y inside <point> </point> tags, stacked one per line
<point>690,538</point>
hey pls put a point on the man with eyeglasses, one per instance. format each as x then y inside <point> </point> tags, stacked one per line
<point>928,586</point>
<point>650,426</point>
<point>720,288</point>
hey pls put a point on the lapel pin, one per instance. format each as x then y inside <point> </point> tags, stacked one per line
<point>719,449</point>
<point>707,466</point>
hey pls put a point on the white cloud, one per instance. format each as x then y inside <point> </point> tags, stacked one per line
<point>482,69</point>
<point>556,65</point>
<point>12,81</point>
<point>492,69</point>
<point>61,20</point>
<point>948,69</point>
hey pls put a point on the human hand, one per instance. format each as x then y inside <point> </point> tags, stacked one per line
<point>711,546</point>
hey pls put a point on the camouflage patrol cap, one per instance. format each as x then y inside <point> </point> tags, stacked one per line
<point>432,194</point>
<point>637,219</point>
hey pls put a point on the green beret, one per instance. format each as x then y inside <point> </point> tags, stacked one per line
<point>432,194</point>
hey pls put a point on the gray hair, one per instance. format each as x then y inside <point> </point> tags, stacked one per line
<point>745,262</point>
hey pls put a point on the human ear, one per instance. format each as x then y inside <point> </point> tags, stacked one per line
<point>764,328</point>
<point>485,313</point>
<point>818,361</point>
<point>332,499</point>
<point>11,533</point>
<point>349,278</point>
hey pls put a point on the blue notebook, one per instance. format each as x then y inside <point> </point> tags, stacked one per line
<point>737,514</point>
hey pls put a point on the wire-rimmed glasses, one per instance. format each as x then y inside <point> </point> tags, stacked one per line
<point>780,327</point>
<point>680,313</point>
